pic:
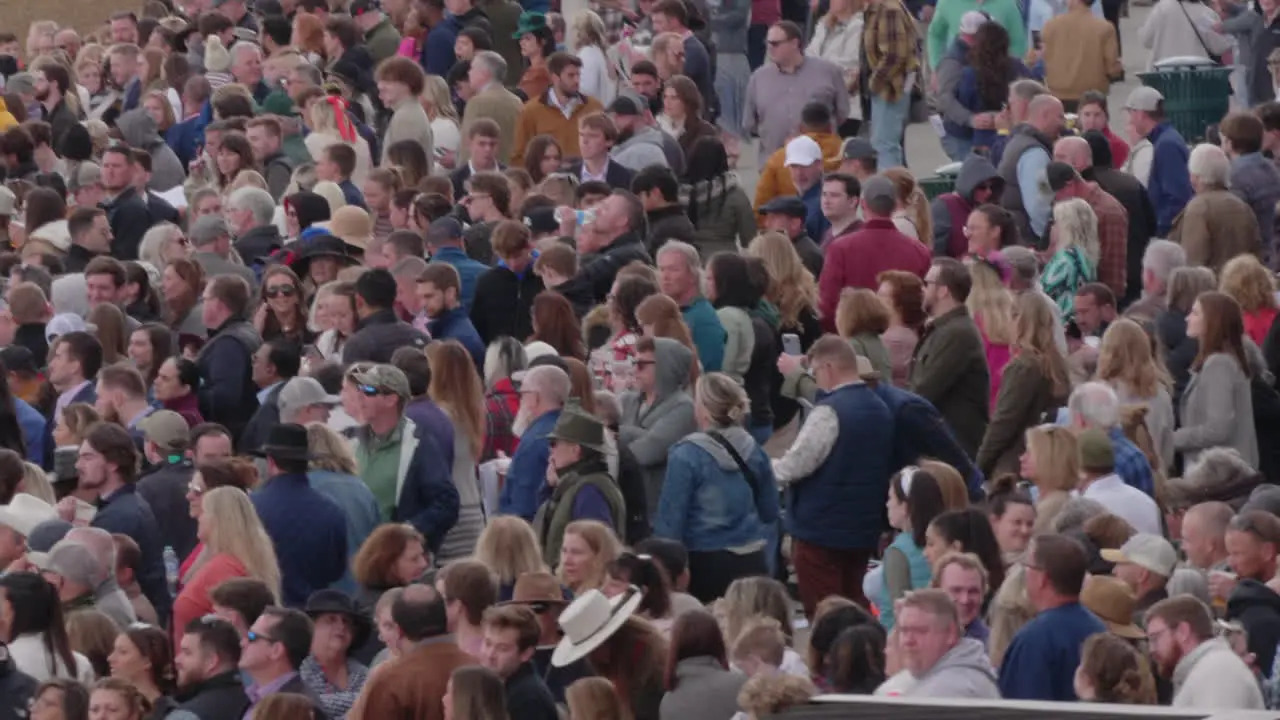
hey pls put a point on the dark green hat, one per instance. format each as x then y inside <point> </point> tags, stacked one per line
<point>579,427</point>
<point>529,21</point>
<point>1096,452</point>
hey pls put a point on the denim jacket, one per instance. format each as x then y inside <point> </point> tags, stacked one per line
<point>706,503</point>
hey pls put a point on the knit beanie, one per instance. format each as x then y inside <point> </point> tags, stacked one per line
<point>216,57</point>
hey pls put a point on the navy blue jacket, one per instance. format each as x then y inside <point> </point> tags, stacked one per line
<point>841,505</point>
<point>33,429</point>
<point>437,50</point>
<point>815,222</point>
<point>185,138</point>
<point>309,533</point>
<point>1041,662</point>
<point>469,271</point>
<point>428,499</point>
<point>125,512</point>
<point>919,431</point>
<point>433,421</point>
<point>352,194</point>
<point>455,325</point>
<point>228,394</point>
<point>378,336</point>
<point>1169,183</point>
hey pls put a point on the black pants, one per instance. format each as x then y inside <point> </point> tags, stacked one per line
<point>711,572</point>
<point>1111,11</point>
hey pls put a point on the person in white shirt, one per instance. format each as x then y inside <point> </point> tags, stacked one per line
<point>1099,482</point>
<point>599,73</point>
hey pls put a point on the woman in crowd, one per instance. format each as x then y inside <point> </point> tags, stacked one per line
<point>614,363</point>
<point>902,293</point>
<point>104,100</point>
<point>109,323</point>
<point>234,545</point>
<point>1012,516</point>
<point>143,658</point>
<point>160,110</point>
<point>681,116</point>
<point>1035,384</point>
<point>1251,285</point>
<point>699,682</point>
<point>1217,407</point>
<point>330,124</point>
<point>555,323</point>
<point>537,44</point>
<point>1112,671</point>
<point>149,345</point>
<point>599,73</point>
<point>991,306</point>
<point>445,131</point>
<point>379,191</point>
<point>634,660</point>
<point>984,81</point>
<point>861,318</point>
<point>543,157</point>
<point>330,672</point>
<point>339,307</point>
<point>1075,254</point>
<point>509,547</point>
<point>235,156</point>
<point>832,618</point>
<point>175,388</point>
<point>1126,363</point>
<point>332,468</point>
<point>34,631</point>
<point>392,557</point>
<point>117,699</point>
<point>717,205</point>
<point>182,286</point>
<point>660,316</point>
<point>714,503</point>
<point>1176,348</point>
<point>455,387</point>
<point>302,210</point>
<point>92,633</point>
<point>595,698</point>
<point>967,531</point>
<point>164,243</point>
<point>139,299</point>
<point>504,357</point>
<point>282,313</point>
<point>643,572</point>
<point>1010,610</point>
<point>588,548</point>
<point>758,596</point>
<point>914,501</point>
<point>912,217</point>
<point>60,699</point>
<point>728,287</point>
<point>1051,463</point>
<point>837,38</point>
<point>990,228</point>
<point>474,693</point>
<point>793,290</point>
<point>410,158</point>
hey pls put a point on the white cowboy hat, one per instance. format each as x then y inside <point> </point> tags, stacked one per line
<point>591,619</point>
<point>25,512</point>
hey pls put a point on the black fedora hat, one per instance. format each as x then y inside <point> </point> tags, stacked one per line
<point>336,602</point>
<point>316,243</point>
<point>287,441</point>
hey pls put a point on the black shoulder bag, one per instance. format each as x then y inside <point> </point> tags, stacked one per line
<point>742,464</point>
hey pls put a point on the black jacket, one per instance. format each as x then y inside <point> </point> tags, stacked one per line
<point>255,245</point>
<point>16,688</point>
<point>279,173</point>
<point>130,219</point>
<point>378,336</point>
<point>503,303</point>
<point>810,254</point>
<point>259,427</point>
<point>31,336</point>
<point>528,696</point>
<point>616,175</point>
<point>60,119</point>
<point>217,698</point>
<point>597,275</point>
<point>1257,607</point>
<point>161,210</point>
<point>557,679</point>
<point>461,175</point>
<point>78,258</point>
<point>1142,222</point>
<point>669,222</point>
<point>227,392</point>
<point>164,488</point>
<point>127,513</point>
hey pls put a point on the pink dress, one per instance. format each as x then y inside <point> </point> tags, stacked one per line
<point>997,357</point>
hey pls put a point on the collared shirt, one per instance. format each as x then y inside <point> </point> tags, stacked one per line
<point>266,391</point>
<point>1129,503</point>
<point>586,175</point>
<point>65,398</point>
<point>257,692</point>
<point>553,99</point>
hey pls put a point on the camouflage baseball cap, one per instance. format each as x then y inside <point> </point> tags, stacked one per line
<point>383,379</point>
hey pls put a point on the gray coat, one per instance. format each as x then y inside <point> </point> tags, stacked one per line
<point>649,431</point>
<point>1217,411</point>
<point>704,689</point>
<point>214,264</point>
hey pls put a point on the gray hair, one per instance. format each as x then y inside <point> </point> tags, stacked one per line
<point>1027,89</point>
<point>493,63</point>
<point>1023,262</point>
<point>1209,164</point>
<point>1186,284</point>
<point>1075,513</point>
<point>1096,405</point>
<point>1162,257</point>
<point>239,49</point>
<point>257,201</point>
<point>151,249</point>
<point>311,73</point>
<point>550,382</point>
<point>691,257</point>
<point>85,555</point>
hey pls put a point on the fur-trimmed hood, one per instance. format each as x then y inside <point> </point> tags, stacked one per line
<point>714,189</point>
<point>1218,473</point>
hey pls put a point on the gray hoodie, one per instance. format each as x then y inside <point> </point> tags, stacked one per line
<point>139,130</point>
<point>975,170</point>
<point>964,672</point>
<point>642,149</point>
<point>649,431</point>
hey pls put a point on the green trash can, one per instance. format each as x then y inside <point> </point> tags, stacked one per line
<point>942,181</point>
<point>1195,97</point>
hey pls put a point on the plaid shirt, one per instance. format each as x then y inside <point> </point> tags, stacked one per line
<point>500,408</point>
<point>335,701</point>
<point>891,46</point>
<point>1131,464</point>
<point>1113,237</point>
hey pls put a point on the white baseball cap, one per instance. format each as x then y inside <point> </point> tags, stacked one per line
<point>1147,551</point>
<point>803,150</point>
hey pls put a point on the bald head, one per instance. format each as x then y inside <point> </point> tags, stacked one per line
<point>1045,114</point>
<point>1204,529</point>
<point>1074,151</point>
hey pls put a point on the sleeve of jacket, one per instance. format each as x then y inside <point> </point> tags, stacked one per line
<point>524,133</point>
<point>223,385</point>
<point>830,283</point>
<point>677,493</point>
<point>131,222</point>
<point>1174,188</point>
<point>933,379</point>
<point>1022,675</point>
<point>948,78</point>
<point>1013,405</point>
<point>941,221</point>
<point>745,221</point>
<point>525,475</point>
<point>766,188</point>
<point>433,488</point>
<point>438,56</point>
<point>767,493</point>
<point>650,445</point>
<point>1214,393</point>
<point>1193,234</point>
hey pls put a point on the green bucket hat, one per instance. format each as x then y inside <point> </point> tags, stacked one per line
<point>530,21</point>
<point>579,427</point>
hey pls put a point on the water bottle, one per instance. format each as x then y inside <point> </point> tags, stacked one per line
<point>171,569</point>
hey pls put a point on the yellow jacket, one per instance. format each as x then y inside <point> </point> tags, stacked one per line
<point>775,180</point>
<point>7,120</point>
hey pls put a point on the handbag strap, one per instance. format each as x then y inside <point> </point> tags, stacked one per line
<point>1195,29</point>
<point>737,458</point>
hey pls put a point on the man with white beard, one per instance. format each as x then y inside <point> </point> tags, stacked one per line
<point>542,395</point>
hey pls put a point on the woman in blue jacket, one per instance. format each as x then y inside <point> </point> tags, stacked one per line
<point>719,492</point>
<point>984,82</point>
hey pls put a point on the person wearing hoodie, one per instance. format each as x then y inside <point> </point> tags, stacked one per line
<point>639,145</point>
<point>938,660</point>
<point>977,184</point>
<point>659,411</point>
<point>437,52</point>
<point>719,493</point>
<point>1205,670</point>
<point>1252,540</point>
<point>775,179</point>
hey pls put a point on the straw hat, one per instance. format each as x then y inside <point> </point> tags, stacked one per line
<point>591,619</point>
<point>353,225</point>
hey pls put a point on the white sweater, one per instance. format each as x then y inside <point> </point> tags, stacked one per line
<point>31,657</point>
<point>1213,677</point>
<point>596,80</point>
<point>1181,29</point>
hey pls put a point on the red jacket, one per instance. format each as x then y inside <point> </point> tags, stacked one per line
<point>857,258</point>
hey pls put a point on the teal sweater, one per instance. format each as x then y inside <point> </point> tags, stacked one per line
<point>946,25</point>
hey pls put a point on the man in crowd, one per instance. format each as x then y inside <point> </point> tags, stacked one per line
<point>227,390</point>
<point>659,411</point>
<point>680,278</point>
<point>126,210</point>
<point>122,397</point>
<point>274,649</point>
<point>596,137</point>
<point>504,294</point>
<point>207,661</point>
<point>439,289</point>
<point>1100,482</point>
<point>977,184</point>
<point>1159,261</point>
<point>266,136</point>
<point>1205,670</point>
<point>211,241</point>
<point>1168,184</point>
<point>1095,405</point>
<point>428,657</point>
<point>618,239</point>
<point>1022,165</point>
<point>542,397</point>
<point>1112,227</point>
<point>164,485</point>
<point>1095,307</point>
<point>90,237</point>
<point>1204,531</point>
<point>1252,540</point>
<point>444,240</point>
<point>659,192</point>
<point>842,206</point>
<point>85,563</point>
<point>274,364</point>
<point>1081,53</point>
<point>545,116</point>
<point>484,139</point>
<point>942,662</point>
<point>641,144</point>
<point>73,366</point>
<point>1254,178</point>
<point>511,634</point>
<point>949,63</point>
<point>964,579</point>
<point>379,332</point>
<point>1145,563</point>
<point>803,162</point>
<point>491,101</point>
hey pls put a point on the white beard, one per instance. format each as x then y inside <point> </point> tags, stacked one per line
<point>522,421</point>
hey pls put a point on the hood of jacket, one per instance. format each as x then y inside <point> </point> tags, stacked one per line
<point>641,136</point>
<point>959,673</point>
<point>976,170</point>
<point>310,207</point>
<point>672,370</point>
<point>738,437</point>
<point>55,233</point>
<point>1251,594</point>
<point>138,128</point>
<point>713,190</point>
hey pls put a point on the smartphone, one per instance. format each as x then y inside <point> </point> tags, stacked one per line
<point>791,344</point>
<point>1035,40</point>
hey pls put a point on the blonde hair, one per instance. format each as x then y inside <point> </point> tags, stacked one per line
<point>768,695</point>
<point>588,29</point>
<point>1125,359</point>
<point>1057,458</point>
<point>763,638</point>
<point>329,450</point>
<point>753,597</point>
<point>594,698</point>
<point>913,199</point>
<point>1186,284</point>
<point>991,304</point>
<point>723,399</point>
<point>604,545</point>
<point>1010,610</point>
<point>36,483</point>
<point>791,286</point>
<point>955,491</point>
<point>1035,340</point>
<point>1248,283</point>
<point>509,547</point>
<point>457,388</point>
<point>234,529</point>
<point>1077,226</point>
<point>436,91</point>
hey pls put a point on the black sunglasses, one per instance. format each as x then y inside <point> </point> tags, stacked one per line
<point>276,291</point>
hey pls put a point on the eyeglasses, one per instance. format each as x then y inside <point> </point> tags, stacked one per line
<point>370,390</point>
<point>255,637</point>
<point>276,291</point>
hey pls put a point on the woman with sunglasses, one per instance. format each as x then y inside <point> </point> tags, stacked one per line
<point>282,313</point>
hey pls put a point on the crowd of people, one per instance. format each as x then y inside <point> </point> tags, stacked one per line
<point>431,359</point>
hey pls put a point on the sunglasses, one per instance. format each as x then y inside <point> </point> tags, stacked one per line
<point>276,291</point>
<point>255,637</point>
<point>371,390</point>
